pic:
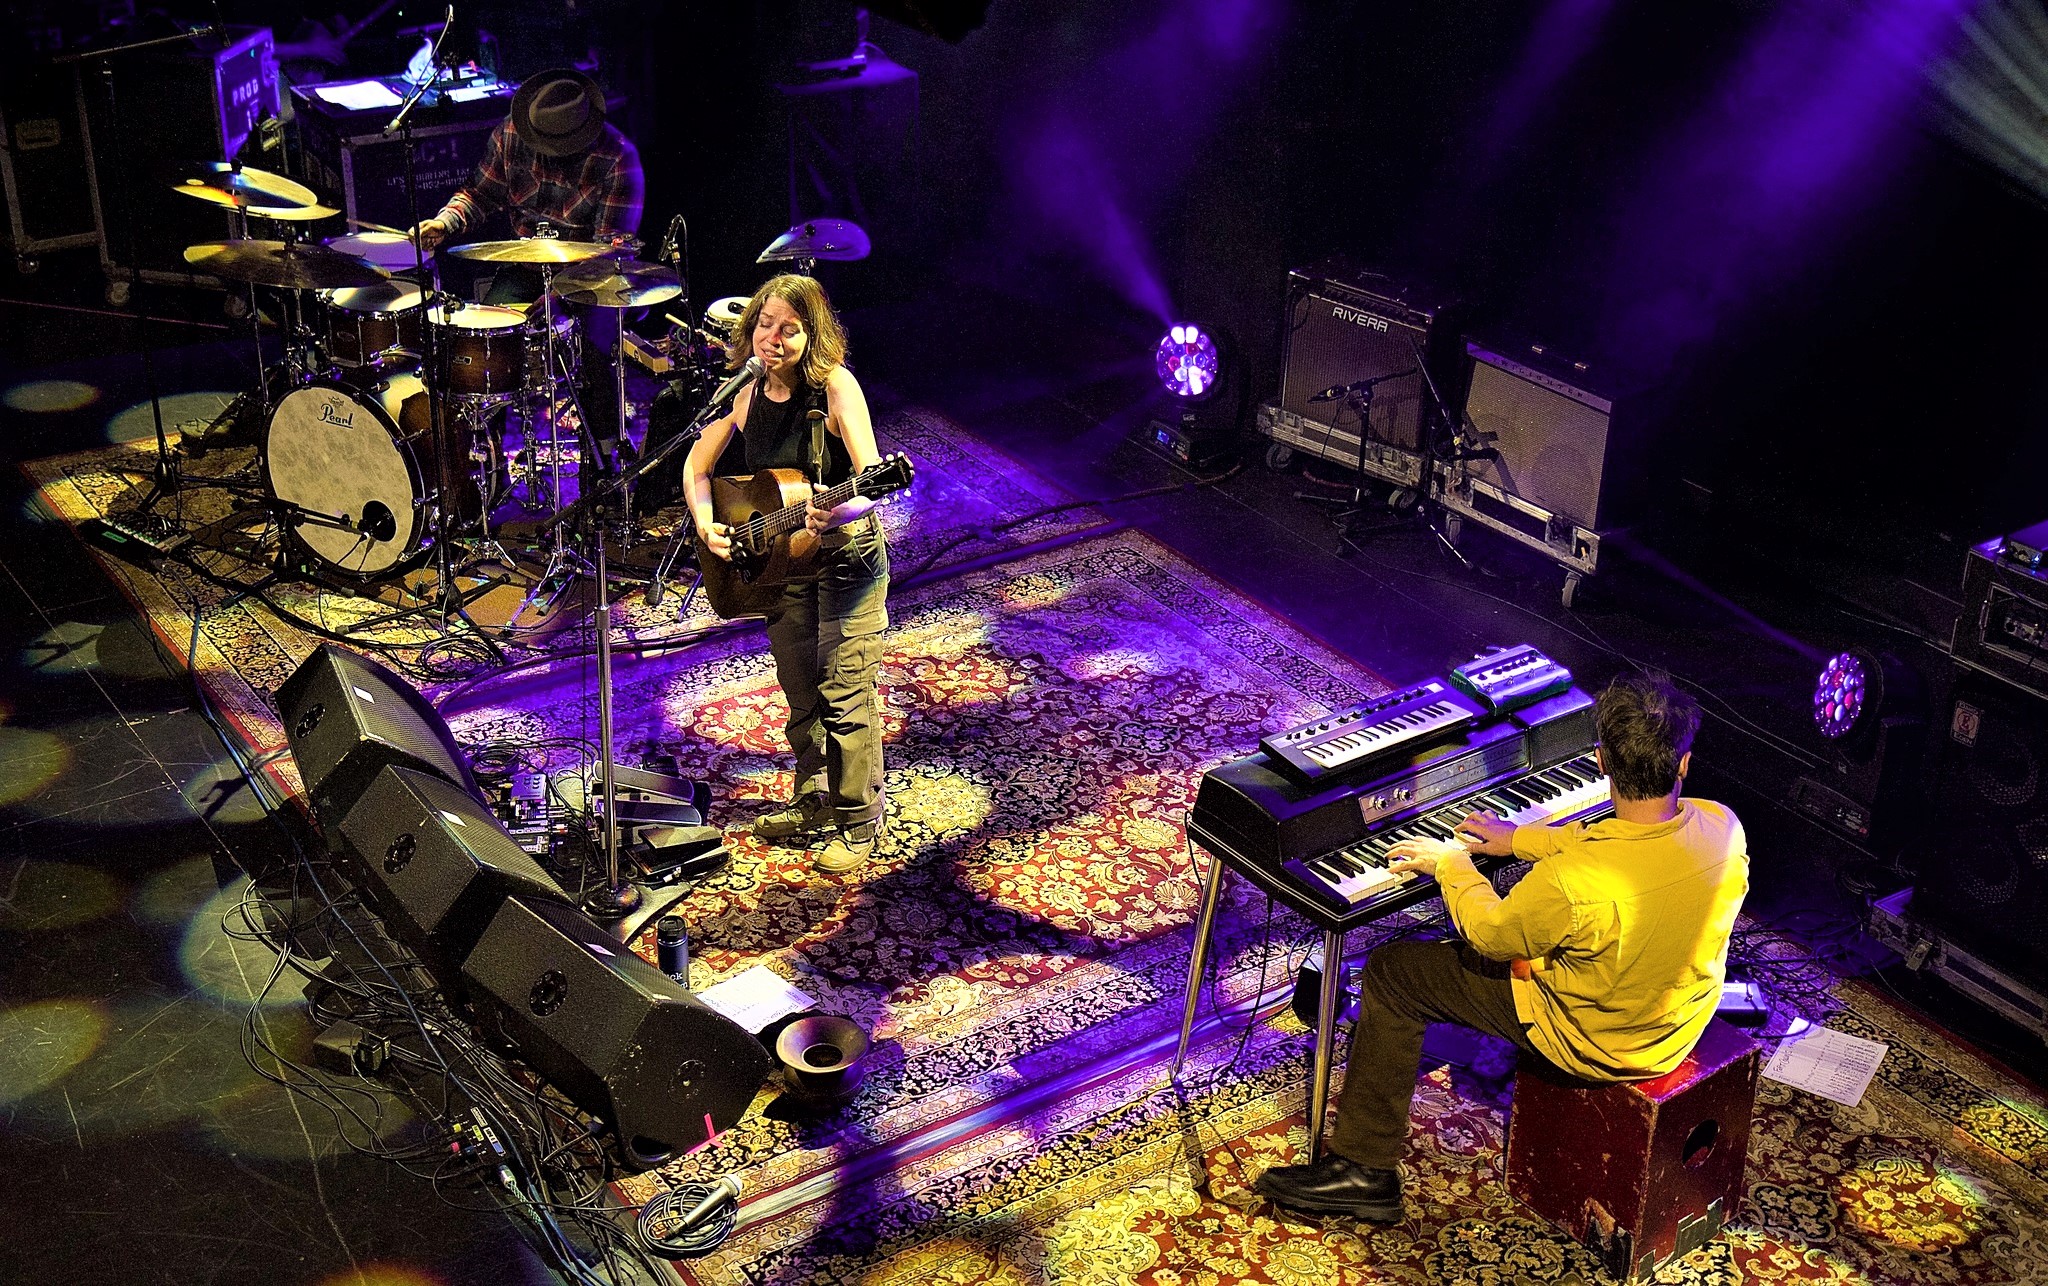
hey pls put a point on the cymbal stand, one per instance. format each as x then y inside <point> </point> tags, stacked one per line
<point>561,567</point>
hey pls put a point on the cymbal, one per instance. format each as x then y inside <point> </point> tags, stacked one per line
<point>530,250</point>
<point>392,250</point>
<point>224,185</point>
<point>274,263</point>
<point>835,239</point>
<point>610,284</point>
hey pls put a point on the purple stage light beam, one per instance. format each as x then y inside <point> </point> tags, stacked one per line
<point>1115,140</point>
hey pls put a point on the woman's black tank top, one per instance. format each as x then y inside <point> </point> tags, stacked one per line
<point>778,435</point>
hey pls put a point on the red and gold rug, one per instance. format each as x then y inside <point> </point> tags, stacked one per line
<point>1018,950</point>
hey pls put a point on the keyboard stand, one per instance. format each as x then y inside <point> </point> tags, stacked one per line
<point>1334,924</point>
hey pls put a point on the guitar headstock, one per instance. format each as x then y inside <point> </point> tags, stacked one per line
<point>893,474</point>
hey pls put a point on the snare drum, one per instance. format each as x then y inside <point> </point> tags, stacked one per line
<point>365,455</point>
<point>482,347</point>
<point>363,321</point>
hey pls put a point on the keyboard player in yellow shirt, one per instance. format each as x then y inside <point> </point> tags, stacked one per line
<point>1606,958</point>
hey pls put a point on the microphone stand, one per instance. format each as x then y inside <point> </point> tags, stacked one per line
<point>623,904</point>
<point>449,599</point>
<point>1431,495</point>
<point>165,479</point>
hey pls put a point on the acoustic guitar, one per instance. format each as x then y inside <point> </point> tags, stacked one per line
<point>771,546</point>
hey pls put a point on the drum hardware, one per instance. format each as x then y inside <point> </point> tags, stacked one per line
<point>451,601</point>
<point>164,476</point>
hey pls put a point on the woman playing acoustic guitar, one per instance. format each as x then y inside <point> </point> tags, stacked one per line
<point>807,413</point>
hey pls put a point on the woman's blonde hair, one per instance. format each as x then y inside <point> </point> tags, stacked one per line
<point>826,346</point>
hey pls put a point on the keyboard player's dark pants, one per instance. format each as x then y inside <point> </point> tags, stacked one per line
<point>1409,985</point>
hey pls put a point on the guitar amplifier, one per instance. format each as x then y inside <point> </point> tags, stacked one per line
<point>1566,463</point>
<point>1345,325</point>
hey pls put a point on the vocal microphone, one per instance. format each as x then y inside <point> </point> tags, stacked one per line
<point>726,1189</point>
<point>1336,391</point>
<point>738,380</point>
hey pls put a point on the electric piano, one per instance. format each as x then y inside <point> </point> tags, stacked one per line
<point>1324,844</point>
<point>1521,747</point>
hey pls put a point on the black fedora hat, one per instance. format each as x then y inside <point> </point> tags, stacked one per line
<point>559,112</point>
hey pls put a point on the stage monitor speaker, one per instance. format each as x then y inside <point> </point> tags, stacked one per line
<point>1561,444</point>
<point>1346,324</point>
<point>1982,874</point>
<point>436,865</point>
<point>622,1040</point>
<point>347,717</point>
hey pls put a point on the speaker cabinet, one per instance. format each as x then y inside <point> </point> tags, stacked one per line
<point>436,865</point>
<point>1569,457</point>
<point>622,1040</point>
<point>1345,325</point>
<point>347,717</point>
<point>1983,864</point>
<point>1555,433</point>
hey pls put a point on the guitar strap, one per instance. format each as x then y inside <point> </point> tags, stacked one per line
<point>816,416</point>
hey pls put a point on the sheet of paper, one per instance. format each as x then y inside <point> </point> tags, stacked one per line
<point>1832,1064</point>
<point>755,998</point>
<point>360,96</point>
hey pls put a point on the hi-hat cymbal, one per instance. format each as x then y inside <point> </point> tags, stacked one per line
<point>392,250</point>
<point>530,250</point>
<point>609,284</point>
<point>835,239</point>
<point>274,263</point>
<point>224,185</point>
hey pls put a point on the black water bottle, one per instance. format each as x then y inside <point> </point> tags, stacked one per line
<point>672,948</point>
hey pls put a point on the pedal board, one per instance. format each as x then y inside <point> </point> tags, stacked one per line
<point>131,542</point>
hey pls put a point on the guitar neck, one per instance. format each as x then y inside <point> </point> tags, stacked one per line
<point>790,517</point>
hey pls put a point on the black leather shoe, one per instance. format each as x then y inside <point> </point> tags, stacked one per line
<point>1335,1186</point>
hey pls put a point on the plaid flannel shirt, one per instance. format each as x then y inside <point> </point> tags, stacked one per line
<point>588,197</point>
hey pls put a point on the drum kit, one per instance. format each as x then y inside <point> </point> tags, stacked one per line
<point>383,428</point>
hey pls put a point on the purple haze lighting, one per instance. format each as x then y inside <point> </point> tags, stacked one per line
<point>1840,695</point>
<point>1798,135</point>
<point>1089,164</point>
<point>1188,362</point>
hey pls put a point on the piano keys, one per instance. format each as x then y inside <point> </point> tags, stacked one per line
<point>1345,742</point>
<point>1349,877</point>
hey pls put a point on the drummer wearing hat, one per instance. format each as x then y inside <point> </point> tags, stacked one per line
<point>553,158</point>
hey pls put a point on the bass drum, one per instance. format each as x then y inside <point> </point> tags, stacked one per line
<point>365,455</point>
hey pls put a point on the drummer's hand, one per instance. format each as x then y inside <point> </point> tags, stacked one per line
<point>717,537</point>
<point>430,233</point>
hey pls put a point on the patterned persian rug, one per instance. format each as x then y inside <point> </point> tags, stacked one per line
<point>1018,949</point>
<point>1936,1178</point>
<point>968,500</point>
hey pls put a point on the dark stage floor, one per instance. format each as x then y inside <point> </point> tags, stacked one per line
<point>184,1166</point>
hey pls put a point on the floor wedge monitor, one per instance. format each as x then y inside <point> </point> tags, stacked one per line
<point>621,1039</point>
<point>435,865</point>
<point>346,717</point>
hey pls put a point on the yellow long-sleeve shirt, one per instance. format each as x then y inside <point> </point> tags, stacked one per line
<point>1625,928</point>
